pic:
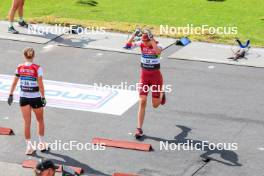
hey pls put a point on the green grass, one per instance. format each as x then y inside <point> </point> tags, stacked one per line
<point>124,15</point>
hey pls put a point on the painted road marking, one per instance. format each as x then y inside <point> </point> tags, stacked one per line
<point>211,67</point>
<point>261,148</point>
<point>99,54</point>
<point>78,96</point>
<point>5,118</point>
<point>48,48</point>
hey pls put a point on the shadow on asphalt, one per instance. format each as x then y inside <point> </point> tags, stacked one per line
<point>230,157</point>
<point>79,43</point>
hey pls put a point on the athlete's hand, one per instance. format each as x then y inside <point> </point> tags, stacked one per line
<point>150,35</point>
<point>137,32</point>
<point>10,100</point>
<point>44,101</point>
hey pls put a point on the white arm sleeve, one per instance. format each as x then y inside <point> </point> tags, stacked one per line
<point>16,72</point>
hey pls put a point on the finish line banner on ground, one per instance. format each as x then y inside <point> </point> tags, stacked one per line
<point>78,96</point>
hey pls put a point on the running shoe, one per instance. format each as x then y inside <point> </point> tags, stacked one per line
<point>163,101</point>
<point>12,30</point>
<point>30,150</point>
<point>139,133</point>
<point>23,24</point>
<point>43,146</point>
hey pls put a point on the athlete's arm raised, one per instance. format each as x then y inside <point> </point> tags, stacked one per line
<point>153,42</point>
<point>136,33</point>
<point>131,38</point>
<point>155,46</point>
<point>130,42</point>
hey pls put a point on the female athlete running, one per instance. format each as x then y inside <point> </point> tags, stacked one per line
<point>150,76</point>
<point>17,5</point>
<point>32,97</point>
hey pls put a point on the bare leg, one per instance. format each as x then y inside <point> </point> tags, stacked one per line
<point>157,101</point>
<point>41,128</point>
<point>158,92</point>
<point>26,112</point>
<point>141,111</point>
<point>39,115</point>
<point>21,8</point>
<point>13,9</point>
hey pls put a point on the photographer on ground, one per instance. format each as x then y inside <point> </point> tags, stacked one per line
<point>45,168</point>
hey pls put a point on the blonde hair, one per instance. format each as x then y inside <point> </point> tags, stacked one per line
<point>29,53</point>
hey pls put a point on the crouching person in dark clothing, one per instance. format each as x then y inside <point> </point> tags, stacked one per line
<point>45,168</point>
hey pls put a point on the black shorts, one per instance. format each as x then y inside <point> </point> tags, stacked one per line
<point>33,102</point>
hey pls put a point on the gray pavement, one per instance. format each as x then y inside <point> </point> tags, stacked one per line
<point>219,53</point>
<point>35,33</point>
<point>209,102</point>
<point>108,41</point>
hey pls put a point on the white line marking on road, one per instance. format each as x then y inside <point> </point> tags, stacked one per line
<point>48,48</point>
<point>130,134</point>
<point>261,148</point>
<point>5,118</point>
<point>99,54</point>
<point>211,66</point>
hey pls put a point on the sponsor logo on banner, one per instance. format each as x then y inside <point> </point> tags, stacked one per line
<point>77,96</point>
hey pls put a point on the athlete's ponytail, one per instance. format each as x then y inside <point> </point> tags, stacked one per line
<point>29,53</point>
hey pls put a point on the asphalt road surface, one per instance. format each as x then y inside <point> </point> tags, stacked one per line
<point>210,102</point>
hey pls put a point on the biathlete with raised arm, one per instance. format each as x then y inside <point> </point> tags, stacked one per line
<point>150,75</point>
<point>32,97</point>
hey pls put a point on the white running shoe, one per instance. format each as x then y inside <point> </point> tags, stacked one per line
<point>30,150</point>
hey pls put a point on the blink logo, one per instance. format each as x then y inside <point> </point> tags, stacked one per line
<point>115,101</point>
<point>71,95</point>
<point>59,93</point>
<point>65,95</point>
